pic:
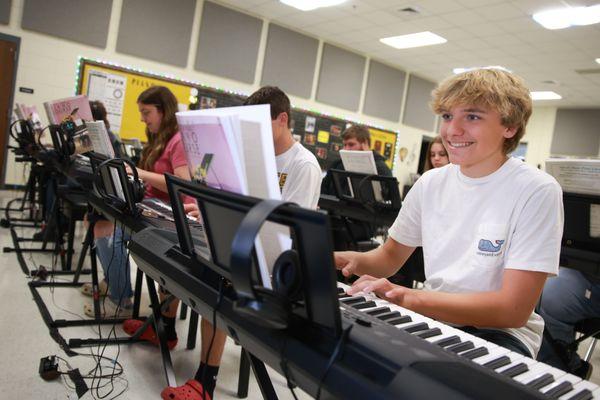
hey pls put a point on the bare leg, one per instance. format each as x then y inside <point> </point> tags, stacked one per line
<point>207,330</point>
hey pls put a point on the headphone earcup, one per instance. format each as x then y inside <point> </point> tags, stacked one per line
<point>269,309</point>
<point>287,275</point>
<point>138,190</point>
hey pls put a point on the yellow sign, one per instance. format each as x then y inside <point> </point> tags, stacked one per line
<point>384,143</point>
<point>119,89</point>
<point>323,137</point>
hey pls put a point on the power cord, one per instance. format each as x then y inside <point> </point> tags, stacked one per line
<point>336,352</point>
<point>214,322</point>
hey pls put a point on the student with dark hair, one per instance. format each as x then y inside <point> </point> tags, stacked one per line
<point>356,137</point>
<point>299,180</point>
<point>490,225</point>
<point>99,113</point>
<point>162,153</point>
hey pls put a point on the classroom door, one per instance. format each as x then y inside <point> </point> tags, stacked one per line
<point>8,57</point>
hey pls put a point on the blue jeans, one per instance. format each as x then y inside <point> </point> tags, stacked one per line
<point>112,252</point>
<point>566,300</point>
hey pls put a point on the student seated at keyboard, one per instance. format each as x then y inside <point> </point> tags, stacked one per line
<point>163,153</point>
<point>300,181</point>
<point>357,138</point>
<point>490,225</point>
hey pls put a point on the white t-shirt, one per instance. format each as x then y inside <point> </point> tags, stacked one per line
<point>299,176</point>
<point>472,229</point>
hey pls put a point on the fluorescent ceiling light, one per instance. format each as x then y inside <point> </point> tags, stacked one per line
<point>307,5</point>
<point>545,95</point>
<point>461,70</point>
<point>413,40</point>
<point>567,17</point>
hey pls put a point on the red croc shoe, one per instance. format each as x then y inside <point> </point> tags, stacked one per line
<point>131,326</point>
<point>192,390</point>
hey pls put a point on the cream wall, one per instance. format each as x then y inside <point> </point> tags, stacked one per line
<point>48,65</point>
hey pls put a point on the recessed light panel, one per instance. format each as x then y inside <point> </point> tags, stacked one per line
<point>545,95</point>
<point>413,40</point>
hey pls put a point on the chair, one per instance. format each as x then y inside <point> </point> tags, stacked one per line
<point>588,328</point>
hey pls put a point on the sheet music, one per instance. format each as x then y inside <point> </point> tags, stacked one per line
<point>364,163</point>
<point>100,139</point>
<point>576,175</point>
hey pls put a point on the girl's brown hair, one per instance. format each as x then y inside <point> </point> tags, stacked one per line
<point>164,100</point>
<point>437,139</point>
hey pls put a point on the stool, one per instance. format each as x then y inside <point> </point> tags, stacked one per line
<point>588,328</point>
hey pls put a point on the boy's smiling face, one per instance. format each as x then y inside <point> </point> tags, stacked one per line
<point>474,136</point>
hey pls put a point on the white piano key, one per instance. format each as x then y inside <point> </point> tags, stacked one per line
<point>578,387</point>
<point>564,378</point>
<point>535,370</point>
<point>495,353</point>
<point>516,358</point>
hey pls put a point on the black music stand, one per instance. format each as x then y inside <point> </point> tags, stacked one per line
<point>228,221</point>
<point>580,250</point>
<point>98,163</point>
<point>366,203</point>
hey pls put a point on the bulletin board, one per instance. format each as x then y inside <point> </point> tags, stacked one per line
<point>322,135</point>
<point>118,88</point>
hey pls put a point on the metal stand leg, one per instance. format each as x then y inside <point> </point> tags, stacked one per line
<point>160,332</point>
<point>590,350</point>
<point>262,377</point>
<point>244,375</point>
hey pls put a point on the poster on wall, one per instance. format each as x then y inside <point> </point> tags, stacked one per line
<point>110,90</point>
<point>119,89</point>
<point>384,142</point>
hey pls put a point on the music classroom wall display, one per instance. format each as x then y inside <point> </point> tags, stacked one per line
<point>118,87</point>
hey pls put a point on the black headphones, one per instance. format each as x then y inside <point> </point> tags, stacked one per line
<point>135,186</point>
<point>270,308</point>
<point>67,131</point>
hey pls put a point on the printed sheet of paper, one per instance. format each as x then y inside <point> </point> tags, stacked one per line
<point>576,175</point>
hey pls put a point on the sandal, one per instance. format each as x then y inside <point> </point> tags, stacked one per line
<point>88,290</point>
<point>131,326</point>
<point>192,390</point>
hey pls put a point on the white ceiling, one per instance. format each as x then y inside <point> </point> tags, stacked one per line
<point>479,33</point>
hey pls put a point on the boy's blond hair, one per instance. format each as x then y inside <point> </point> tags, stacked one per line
<point>495,89</point>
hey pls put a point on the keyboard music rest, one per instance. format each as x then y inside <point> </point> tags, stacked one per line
<point>379,362</point>
<point>524,370</point>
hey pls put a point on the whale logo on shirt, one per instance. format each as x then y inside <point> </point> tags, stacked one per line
<point>488,246</point>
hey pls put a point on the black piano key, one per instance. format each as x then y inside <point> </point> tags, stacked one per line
<point>498,362</point>
<point>389,315</point>
<point>559,390</point>
<point>450,340</point>
<point>475,353</point>
<point>464,346</point>
<point>541,381</point>
<point>421,326</point>
<point>378,310</point>
<point>515,370</point>
<point>584,394</point>
<point>351,300</point>
<point>341,290</point>
<point>400,320</point>
<point>429,333</point>
<point>366,304</point>
<point>343,296</point>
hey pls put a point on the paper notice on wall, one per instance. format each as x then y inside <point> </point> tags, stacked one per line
<point>595,220</point>
<point>576,175</point>
<point>110,90</point>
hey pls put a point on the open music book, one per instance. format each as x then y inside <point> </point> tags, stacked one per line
<point>232,149</point>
